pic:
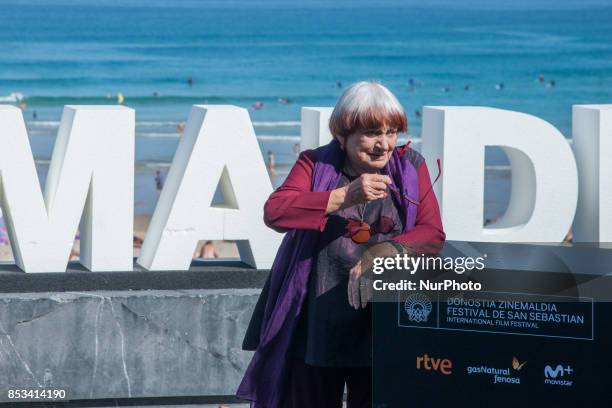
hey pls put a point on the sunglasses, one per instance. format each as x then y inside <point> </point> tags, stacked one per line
<point>361,232</point>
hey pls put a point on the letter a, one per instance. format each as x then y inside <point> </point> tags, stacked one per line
<point>219,144</point>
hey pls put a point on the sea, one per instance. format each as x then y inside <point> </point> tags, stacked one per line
<point>275,57</point>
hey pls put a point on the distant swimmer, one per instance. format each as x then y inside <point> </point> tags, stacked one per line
<point>108,95</point>
<point>338,84</point>
<point>180,128</point>
<point>190,81</point>
<point>34,115</point>
<point>446,89</point>
<point>499,86</point>
<point>417,113</point>
<point>541,78</point>
<point>257,105</point>
<point>552,83</point>
<point>284,100</point>
<point>296,150</point>
<point>466,87</point>
<point>410,85</point>
<point>271,164</point>
<point>159,183</point>
<point>120,98</point>
<point>22,105</point>
<point>155,94</point>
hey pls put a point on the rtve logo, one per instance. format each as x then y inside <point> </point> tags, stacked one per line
<point>443,366</point>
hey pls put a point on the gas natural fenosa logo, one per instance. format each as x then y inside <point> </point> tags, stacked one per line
<point>499,375</point>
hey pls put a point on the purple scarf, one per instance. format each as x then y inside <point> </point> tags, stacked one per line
<point>264,380</point>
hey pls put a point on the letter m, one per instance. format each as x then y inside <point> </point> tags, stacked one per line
<point>90,181</point>
<point>550,373</point>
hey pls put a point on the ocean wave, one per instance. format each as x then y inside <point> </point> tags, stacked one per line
<point>273,138</point>
<point>56,123</point>
<point>13,97</point>
<point>288,123</point>
<point>111,99</point>
<point>266,124</point>
<point>142,165</point>
<point>288,138</point>
<point>498,167</point>
<point>153,124</point>
<point>43,123</point>
<point>158,135</point>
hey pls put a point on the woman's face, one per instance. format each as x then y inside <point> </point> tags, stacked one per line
<point>369,151</point>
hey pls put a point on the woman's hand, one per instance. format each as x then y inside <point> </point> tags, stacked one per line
<point>367,187</point>
<point>360,276</point>
<point>359,288</point>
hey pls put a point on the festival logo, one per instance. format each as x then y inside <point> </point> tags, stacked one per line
<point>558,375</point>
<point>418,307</point>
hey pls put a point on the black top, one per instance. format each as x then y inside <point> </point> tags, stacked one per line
<point>331,333</point>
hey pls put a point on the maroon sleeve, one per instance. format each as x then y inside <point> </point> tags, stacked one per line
<point>428,235</point>
<point>293,205</point>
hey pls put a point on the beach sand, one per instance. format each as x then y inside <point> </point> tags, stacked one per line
<point>226,249</point>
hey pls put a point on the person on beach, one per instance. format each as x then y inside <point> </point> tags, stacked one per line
<point>209,251</point>
<point>180,128</point>
<point>343,203</point>
<point>159,183</point>
<point>271,164</point>
<point>296,150</point>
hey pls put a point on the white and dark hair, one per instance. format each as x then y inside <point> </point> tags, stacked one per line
<point>366,106</point>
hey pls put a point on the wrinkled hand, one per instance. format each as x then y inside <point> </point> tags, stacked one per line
<point>359,287</point>
<point>360,277</point>
<point>367,187</point>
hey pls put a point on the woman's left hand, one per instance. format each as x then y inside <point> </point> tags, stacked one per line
<point>360,276</point>
<point>359,287</point>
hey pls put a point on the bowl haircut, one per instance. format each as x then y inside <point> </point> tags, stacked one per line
<point>366,106</point>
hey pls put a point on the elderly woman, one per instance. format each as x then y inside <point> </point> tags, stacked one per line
<point>311,328</point>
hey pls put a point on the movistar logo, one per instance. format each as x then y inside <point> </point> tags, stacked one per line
<point>559,371</point>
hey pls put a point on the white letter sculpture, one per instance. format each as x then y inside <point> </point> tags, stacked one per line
<point>219,143</point>
<point>91,173</point>
<point>315,127</point>
<point>544,175</point>
<point>592,134</point>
